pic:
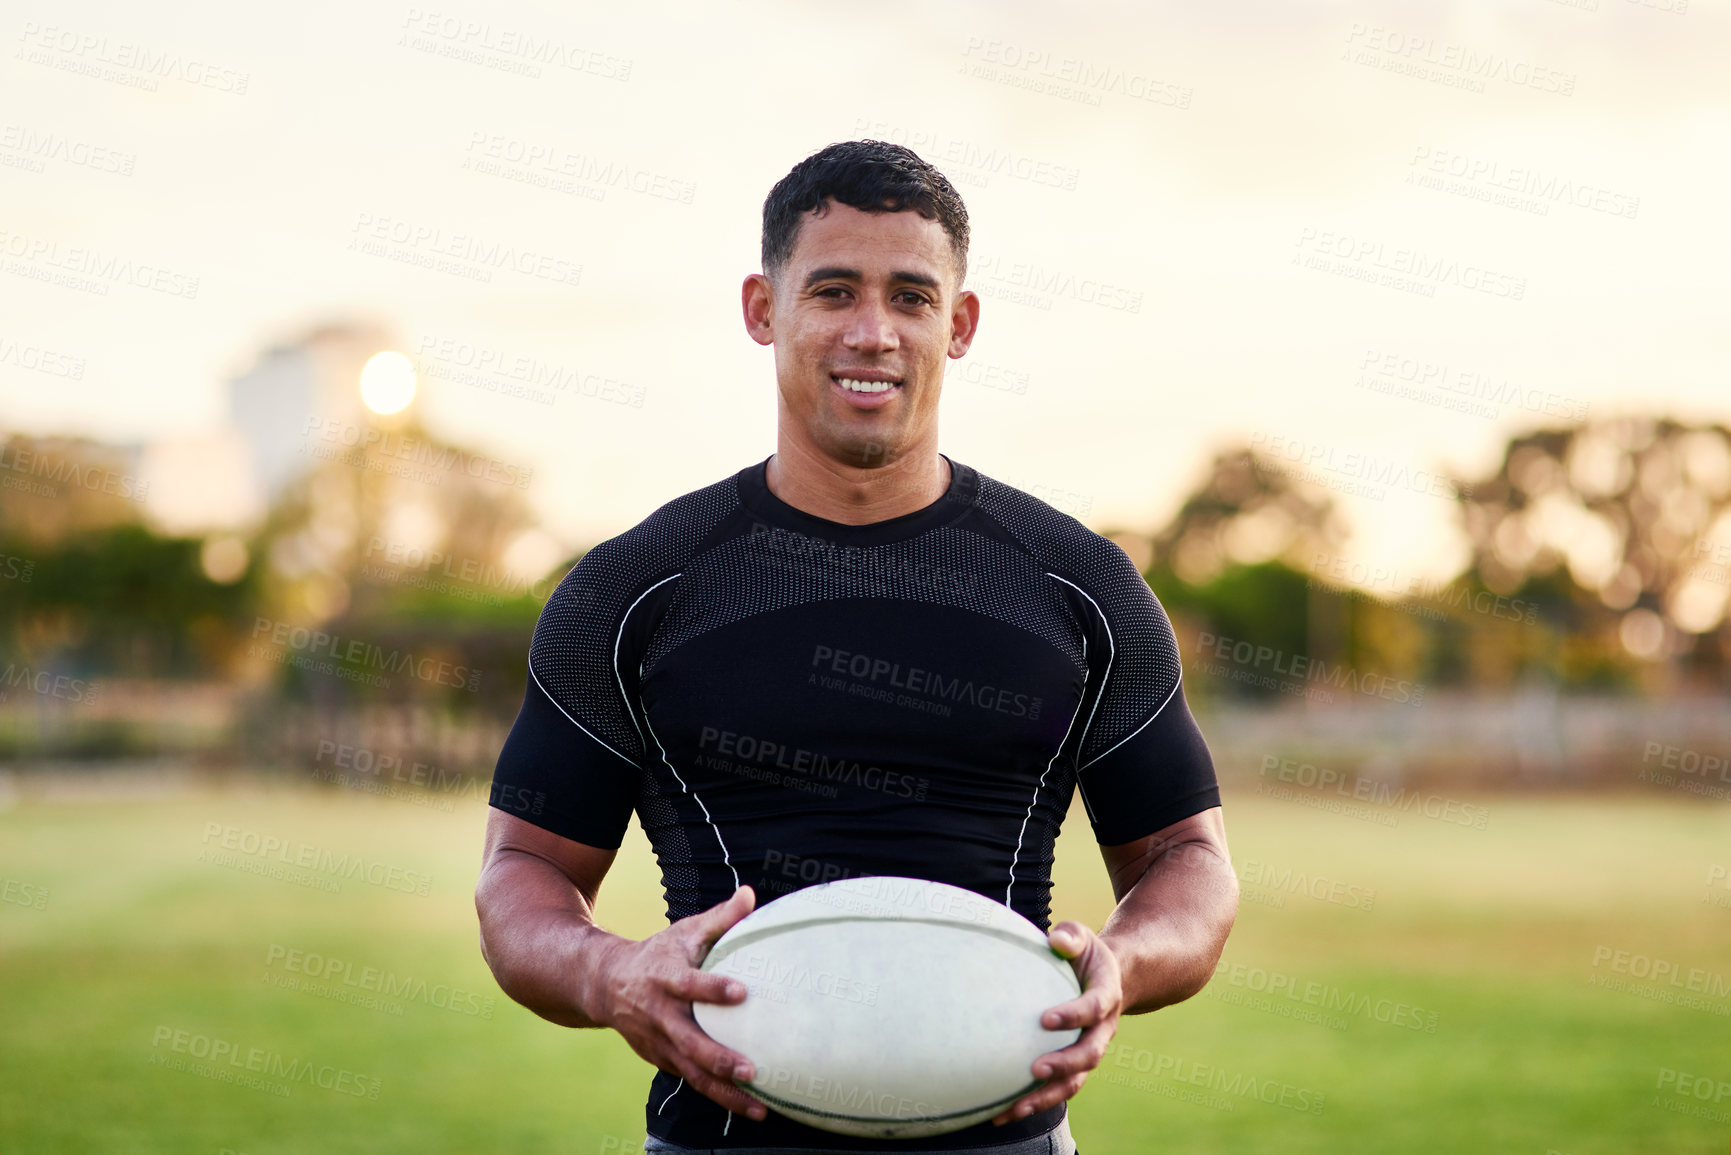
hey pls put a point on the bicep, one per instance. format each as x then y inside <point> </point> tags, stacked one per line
<point>572,762</point>
<point>584,865</point>
<point>1155,776</point>
<point>1141,761</point>
<point>555,773</point>
<point>1127,862</point>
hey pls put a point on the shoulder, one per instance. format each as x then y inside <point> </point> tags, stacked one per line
<point>609,578</point>
<point>1062,545</point>
<point>664,540</point>
<point>1142,669</point>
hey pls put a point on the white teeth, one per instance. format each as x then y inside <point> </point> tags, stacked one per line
<point>865,386</point>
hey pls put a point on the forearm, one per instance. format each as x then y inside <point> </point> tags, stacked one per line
<point>1168,931</point>
<point>538,935</point>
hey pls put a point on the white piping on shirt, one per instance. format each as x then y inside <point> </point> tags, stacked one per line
<point>1030,814</point>
<point>1041,784</point>
<point>1138,729</point>
<point>667,762</point>
<point>568,717</point>
<point>1111,652</point>
<point>1102,694</point>
<point>620,637</point>
<point>1086,804</point>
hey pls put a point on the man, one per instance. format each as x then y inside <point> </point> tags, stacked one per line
<point>856,658</point>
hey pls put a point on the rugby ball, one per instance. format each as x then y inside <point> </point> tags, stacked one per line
<point>889,1007</point>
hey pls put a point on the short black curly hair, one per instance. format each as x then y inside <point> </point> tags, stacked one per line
<point>872,176</point>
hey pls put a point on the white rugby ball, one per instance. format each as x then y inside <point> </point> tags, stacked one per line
<point>889,1007</point>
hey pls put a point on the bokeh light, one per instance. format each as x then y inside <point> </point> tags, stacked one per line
<point>388,382</point>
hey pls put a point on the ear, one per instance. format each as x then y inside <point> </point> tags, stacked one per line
<point>757,299</point>
<point>964,322</point>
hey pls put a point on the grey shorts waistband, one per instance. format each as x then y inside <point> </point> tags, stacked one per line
<point>1057,1141</point>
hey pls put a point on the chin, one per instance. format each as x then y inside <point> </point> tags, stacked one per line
<point>864,453</point>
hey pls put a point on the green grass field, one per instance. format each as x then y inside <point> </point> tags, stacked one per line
<point>1457,1014</point>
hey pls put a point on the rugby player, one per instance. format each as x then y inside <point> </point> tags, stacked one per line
<point>857,657</point>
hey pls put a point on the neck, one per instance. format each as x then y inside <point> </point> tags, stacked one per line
<point>826,488</point>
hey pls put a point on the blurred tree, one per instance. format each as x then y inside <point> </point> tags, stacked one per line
<point>54,487</point>
<point>1232,561</point>
<point>1624,524</point>
<point>120,602</point>
<point>419,555</point>
<point>1267,604</point>
<point>401,512</point>
<point>1245,512</point>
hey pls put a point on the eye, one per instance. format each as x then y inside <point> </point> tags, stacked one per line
<point>909,296</point>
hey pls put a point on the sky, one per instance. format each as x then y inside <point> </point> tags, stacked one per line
<point>1372,240</point>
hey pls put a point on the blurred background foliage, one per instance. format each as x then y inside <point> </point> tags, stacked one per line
<point>1596,563</point>
<point>1599,559</point>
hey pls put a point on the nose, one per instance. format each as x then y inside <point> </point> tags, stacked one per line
<point>871,329</point>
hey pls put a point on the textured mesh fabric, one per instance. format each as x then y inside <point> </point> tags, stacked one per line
<point>709,562</point>
<point>1145,666</point>
<point>975,573</point>
<point>573,650</point>
<point>956,566</point>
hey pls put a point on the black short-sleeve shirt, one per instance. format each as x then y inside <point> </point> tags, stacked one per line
<point>785,700</point>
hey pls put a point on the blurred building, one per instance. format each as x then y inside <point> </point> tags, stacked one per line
<point>229,478</point>
<point>296,387</point>
<point>325,473</point>
<point>357,498</point>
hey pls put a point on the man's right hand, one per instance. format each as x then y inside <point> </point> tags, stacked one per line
<point>536,902</point>
<point>646,990</point>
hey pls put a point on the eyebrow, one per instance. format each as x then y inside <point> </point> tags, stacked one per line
<point>839,273</point>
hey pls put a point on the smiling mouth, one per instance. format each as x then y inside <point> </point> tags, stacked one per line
<point>855,385</point>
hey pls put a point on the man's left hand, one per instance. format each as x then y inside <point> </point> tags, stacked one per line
<point>1095,1010</point>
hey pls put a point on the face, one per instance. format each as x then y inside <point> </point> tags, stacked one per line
<point>863,317</point>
